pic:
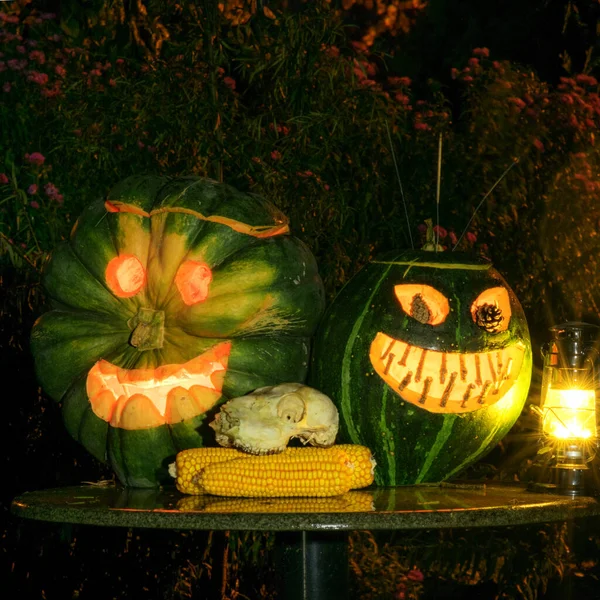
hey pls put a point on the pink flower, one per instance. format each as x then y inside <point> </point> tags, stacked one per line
<point>36,158</point>
<point>32,189</point>
<point>112,82</point>
<point>52,193</point>
<point>6,87</point>
<point>229,82</point>
<point>421,126</point>
<point>422,228</point>
<point>60,70</point>
<point>120,61</point>
<point>454,72</point>
<point>34,204</point>
<point>332,51</point>
<point>415,575</point>
<point>3,179</point>
<point>16,64</point>
<point>276,155</point>
<point>483,52</point>
<point>473,62</point>
<point>538,144</point>
<point>21,49</point>
<point>406,81</point>
<point>402,99</point>
<point>39,78</point>
<point>453,238</point>
<point>140,144</point>
<point>467,78</point>
<point>471,237</point>
<point>440,231</point>
<point>38,56</point>
<point>517,102</point>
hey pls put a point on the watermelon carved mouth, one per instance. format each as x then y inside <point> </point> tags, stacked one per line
<point>446,382</point>
<point>145,398</point>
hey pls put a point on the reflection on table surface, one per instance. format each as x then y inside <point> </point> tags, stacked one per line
<point>409,507</point>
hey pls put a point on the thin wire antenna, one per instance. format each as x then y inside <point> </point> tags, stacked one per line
<point>437,193</point>
<point>515,161</point>
<point>412,245</point>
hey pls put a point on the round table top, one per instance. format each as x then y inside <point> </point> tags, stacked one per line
<point>411,507</point>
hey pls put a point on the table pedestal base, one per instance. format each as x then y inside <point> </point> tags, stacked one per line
<point>312,565</point>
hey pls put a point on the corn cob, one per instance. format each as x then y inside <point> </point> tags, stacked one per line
<point>349,502</point>
<point>303,472</point>
<point>189,463</point>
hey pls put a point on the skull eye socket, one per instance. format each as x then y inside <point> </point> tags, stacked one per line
<point>291,408</point>
<point>423,303</point>
<point>491,310</point>
<point>125,275</point>
<point>193,279</point>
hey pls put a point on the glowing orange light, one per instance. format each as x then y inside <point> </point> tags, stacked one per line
<point>193,280</point>
<point>569,414</point>
<point>125,275</point>
<point>423,302</point>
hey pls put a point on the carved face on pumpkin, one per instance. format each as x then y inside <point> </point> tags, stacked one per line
<point>456,350</point>
<point>171,296</point>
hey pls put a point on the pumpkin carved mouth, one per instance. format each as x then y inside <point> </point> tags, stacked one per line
<point>446,382</point>
<point>144,398</point>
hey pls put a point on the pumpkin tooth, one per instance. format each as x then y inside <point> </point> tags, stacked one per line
<point>467,394</point>
<point>137,412</point>
<point>180,406</point>
<point>103,404</point>
<point>492,369</point>
<point>204,397</point>
<point>388,349</point>
<point>448,390</point>
<point>486,388</point>
<point>477,370</point>
<point>463,368</point>
<point>420,366</point>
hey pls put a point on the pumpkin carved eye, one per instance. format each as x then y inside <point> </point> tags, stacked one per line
<point>423,303</point>
<point>491,310</point>
<point>125,275</point>
<point>193,280</point>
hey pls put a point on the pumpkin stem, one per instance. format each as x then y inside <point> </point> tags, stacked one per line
<point>147,329</point>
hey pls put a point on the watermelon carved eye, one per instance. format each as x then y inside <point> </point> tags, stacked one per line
<point>423,303</point>
<point>125,275</point>
<point>491,310</point>
<point>193,281</point>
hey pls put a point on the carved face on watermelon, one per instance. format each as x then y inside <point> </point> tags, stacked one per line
<point>170,297</point>
<point>427,356</point>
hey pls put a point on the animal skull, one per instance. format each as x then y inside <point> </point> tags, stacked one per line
<point>264,421</point>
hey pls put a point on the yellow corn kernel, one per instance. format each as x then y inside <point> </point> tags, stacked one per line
<point>189,463</point>
<point>304,472</point>
<point>349,502</point>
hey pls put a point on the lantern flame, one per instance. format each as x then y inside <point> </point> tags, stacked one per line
<point>570,414</point>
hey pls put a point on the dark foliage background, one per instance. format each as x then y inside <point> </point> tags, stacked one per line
<point>294,100</point>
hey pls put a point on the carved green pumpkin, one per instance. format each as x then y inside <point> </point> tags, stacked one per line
<point>170,297</point>
<point>428,358</point>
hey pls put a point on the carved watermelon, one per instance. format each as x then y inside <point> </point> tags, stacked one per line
<point>428,358</point>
